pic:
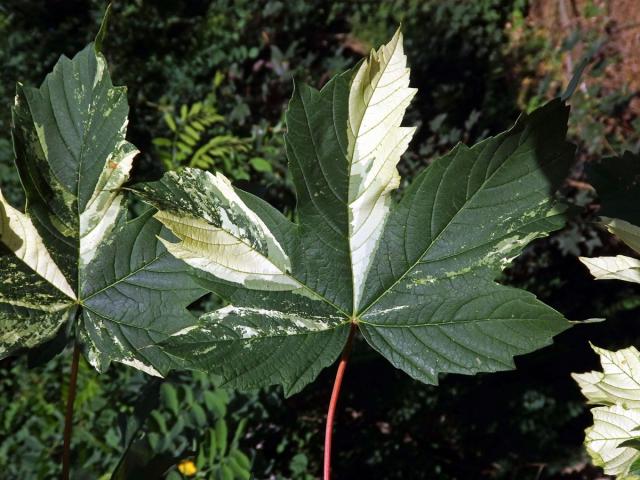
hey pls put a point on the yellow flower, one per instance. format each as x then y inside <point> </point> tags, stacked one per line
<point>187,468</point>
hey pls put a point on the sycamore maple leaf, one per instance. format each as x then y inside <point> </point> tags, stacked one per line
<point>72,258</point>
<point>416,277</point>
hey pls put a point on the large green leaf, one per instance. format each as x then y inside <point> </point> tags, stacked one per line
<point>617,389</point>
<point>72,255</point>
<point>417,277</point>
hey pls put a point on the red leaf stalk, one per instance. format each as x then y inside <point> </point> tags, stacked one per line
<point>328,433</point>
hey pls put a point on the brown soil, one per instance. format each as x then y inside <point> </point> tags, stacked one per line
<point>616,22</point>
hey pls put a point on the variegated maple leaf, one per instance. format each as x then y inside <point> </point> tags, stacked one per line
<point>415,277</point>
<point>72,258</point>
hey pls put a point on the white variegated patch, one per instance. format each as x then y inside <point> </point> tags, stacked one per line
<point>30,331</point>
<point>378,98</point>
<point>619,267</point>
<point>224,244</point>
<point>119,353</point>
<point>272,322</point>
<point>19,234</point>
<point>143,367</point>
<point>216,251</point>
<point>105,205</point>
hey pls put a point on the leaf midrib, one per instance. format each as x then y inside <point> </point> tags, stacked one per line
<point>443,324</point>
<point>626,371</point>
<point>122,279</point>
<point>284,335</point>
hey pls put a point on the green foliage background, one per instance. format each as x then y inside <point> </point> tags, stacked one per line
<point>239,57</point>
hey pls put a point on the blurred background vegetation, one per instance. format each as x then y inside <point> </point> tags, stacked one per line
<point>208,83</point>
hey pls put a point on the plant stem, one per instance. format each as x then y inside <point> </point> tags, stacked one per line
<point>328,432</point>
<point>68,418</point>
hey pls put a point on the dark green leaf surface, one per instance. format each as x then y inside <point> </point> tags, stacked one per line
<point>317,149</point>
<point>431,289</point>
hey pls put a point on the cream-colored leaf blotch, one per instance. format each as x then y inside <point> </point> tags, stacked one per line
<point>272,323</point>
<point>19,234</point>
<point>228,240</point>
<point>378,99</point>
<point>105,205</point>
<point>619,267</point>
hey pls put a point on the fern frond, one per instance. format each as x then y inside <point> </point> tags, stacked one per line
<point>219,148</point>
<point>201,138</point>
<point>188,128</point>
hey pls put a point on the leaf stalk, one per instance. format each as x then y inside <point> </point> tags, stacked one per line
<point>337,384</point>
<point>68,418</point>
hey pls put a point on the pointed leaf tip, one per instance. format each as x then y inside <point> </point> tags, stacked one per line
<point>102,32</point>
